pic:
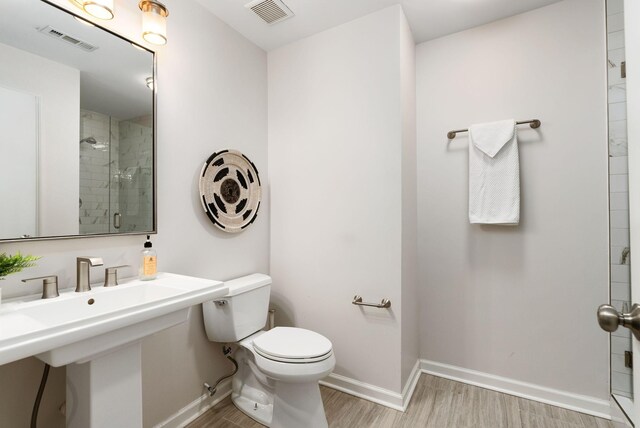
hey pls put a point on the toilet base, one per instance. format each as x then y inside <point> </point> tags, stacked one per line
<point>260,412</point>
<point>295,405</point>
<point>298,405</point>
<point>274,403</point>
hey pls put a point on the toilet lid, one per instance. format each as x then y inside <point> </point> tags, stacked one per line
<point>291,344</point>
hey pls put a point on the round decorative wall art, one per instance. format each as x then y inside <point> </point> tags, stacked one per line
<point>230,190</point>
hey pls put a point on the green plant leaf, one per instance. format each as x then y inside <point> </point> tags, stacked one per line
<point>12,264</point>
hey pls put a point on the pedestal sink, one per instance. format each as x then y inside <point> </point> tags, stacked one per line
<point>97,335</point>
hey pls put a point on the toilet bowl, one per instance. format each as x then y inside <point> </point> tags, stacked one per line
<point>293,355</point>
<point>278,370</point>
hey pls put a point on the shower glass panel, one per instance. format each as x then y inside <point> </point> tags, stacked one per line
<point>621,361</point>
<point>116,179</point>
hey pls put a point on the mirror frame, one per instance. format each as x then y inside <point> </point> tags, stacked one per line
<point>154,145</point>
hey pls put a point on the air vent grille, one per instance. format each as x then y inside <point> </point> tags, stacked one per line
<point>52,32</point>
<point>270,11</point>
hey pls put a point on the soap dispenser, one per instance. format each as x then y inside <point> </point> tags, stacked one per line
<point>148,265</point>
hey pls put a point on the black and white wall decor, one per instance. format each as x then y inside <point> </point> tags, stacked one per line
<point>230,190</point>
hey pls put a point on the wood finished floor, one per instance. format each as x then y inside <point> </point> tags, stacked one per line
<point>436,402</point>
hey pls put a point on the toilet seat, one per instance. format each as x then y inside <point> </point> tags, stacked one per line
<point>292,345</point>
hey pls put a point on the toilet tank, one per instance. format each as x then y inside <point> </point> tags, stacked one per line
<point>241,312</point>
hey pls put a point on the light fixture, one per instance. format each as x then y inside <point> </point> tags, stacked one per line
<point>149,81</point>
<point>154,21</point>
<point>101,9</point>
<point>154,16</point>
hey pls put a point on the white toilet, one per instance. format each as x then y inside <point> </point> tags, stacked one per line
<point>277,379</point>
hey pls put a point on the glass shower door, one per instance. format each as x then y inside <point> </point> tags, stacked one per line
<point>95,149</point>
<point>133,177</point>
<point>115,217</point>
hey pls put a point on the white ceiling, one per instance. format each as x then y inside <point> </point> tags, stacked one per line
<point>429,19</point>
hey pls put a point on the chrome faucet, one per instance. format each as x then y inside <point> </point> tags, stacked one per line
<point>83,280</point>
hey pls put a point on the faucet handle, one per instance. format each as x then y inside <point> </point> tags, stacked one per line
<point>49,285</point>
<point>111,275</point>
<point>93,261</point>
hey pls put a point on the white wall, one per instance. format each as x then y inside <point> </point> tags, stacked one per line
<point>410,320</point>
<point>335,145</point>
<point>211,96</point>
<point>59,109</point>
<point>518,302</point>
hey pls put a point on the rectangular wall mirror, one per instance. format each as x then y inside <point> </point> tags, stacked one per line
<point>77,134</point>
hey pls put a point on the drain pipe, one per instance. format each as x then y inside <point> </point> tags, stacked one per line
<point>226,350</point>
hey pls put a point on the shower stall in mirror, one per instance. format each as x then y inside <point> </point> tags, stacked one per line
<point>116,176</point>
<point>620,279</point>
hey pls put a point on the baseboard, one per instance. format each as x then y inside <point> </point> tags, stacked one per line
<point>374,393</point>
<point>410,386</point>
<point>622,411</point>
<point>197,407</point>
<point>364,390</point>
<point>579,403</point>
<point>400,401</point>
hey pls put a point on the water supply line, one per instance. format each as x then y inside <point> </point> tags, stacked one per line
<point>272,319</point>
<point>36,404</point>
<point>226,350</point>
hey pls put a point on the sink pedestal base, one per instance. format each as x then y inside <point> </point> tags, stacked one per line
<point>106,391</point>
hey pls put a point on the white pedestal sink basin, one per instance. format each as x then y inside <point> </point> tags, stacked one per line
<point>97,334</point>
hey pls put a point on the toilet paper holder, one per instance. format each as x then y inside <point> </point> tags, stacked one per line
<point>384,304</point>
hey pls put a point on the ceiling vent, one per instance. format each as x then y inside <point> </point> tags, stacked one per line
<point>270,11</point>
<point>49,31</point>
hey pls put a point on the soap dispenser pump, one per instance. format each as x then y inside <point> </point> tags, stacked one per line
<point>148,265</point>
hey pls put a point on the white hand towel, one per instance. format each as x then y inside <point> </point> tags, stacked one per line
<point>494,173</point>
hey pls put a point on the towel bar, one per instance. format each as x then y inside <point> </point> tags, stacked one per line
<point>534,123</point>
<point>385,303</point>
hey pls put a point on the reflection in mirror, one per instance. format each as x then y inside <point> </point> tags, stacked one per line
<point>19,125</point>
<point>77,127</point>
<point>116,183</point>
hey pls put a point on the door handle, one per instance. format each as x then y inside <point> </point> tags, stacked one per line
<point>609,319</point>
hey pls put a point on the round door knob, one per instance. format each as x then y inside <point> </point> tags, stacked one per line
<point>608,318</point>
